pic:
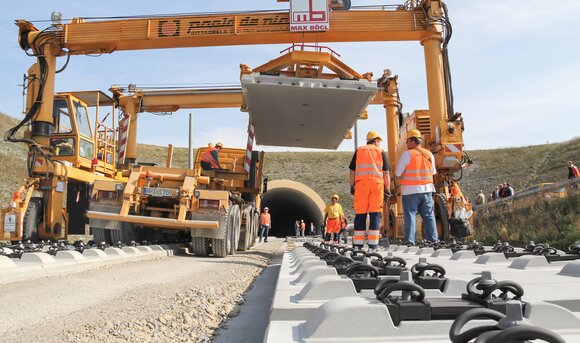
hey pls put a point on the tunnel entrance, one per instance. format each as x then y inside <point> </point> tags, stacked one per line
<point>289,201</point>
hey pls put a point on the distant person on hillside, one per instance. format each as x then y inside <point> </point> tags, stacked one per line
<point>509,190</point>
<point>480,198</point>
<point>573,171</point>
<point>495,193</point>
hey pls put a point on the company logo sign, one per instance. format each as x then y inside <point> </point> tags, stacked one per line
<point>168,28</point>
<point>309,15</point>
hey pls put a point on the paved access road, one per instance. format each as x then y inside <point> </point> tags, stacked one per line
<point>168,299</point>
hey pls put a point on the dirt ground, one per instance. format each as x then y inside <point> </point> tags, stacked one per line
<point>169,299</point>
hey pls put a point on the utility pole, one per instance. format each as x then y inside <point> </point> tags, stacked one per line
<point>355,135</point>
<point>190,145</point>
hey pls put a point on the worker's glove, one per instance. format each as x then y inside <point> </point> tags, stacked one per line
<point>387,194</point>
<point>352,189</point>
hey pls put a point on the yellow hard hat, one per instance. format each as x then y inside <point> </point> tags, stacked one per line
<point>372,135</point>
<point>219,145</point>
<point>335,196</point>
<point>414,133</point>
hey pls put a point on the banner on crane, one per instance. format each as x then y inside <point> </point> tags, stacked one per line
<point>249,148</point>
<point>309,15</point>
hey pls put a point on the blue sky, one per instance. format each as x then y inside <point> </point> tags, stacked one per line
<point>515,67</point>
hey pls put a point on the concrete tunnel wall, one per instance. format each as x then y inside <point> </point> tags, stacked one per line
<point>289,201</point>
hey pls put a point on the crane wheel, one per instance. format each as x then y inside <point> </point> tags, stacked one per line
<point>246,234</point>
<point>32,218</point>
<point>441,217</point>
<point>223,246</point>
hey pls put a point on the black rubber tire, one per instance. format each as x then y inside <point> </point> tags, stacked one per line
<point>32,218</point>
<point>441,216</point>
<point>200,246</point>
<point>125,235</point>
<point>99,235</point>
<point>236,221</point>
<point>246,230</point>
<point>255,227</point>
<point>221,247</point>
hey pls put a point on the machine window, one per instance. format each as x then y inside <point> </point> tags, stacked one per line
<point>83,120</point>
<point>63,146</point>
<point>87,149</point>
<point>60,117</point>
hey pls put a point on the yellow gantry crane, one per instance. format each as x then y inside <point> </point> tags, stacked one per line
<point>51,172</point>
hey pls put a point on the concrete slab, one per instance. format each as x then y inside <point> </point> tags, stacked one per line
<point>39,258</point>
<point>425,251</point>
<point>131,250</point>
<point>312,273</point>
<point>490,258</point>
<point>70,256</point>
<point>6,262</point>
<point>303,112</point>
<point>144,249</point>
<point>571,269</point>
<point>114,252</point>
<point>463,255</point>
<point>525,262</point>
<point>442,253</point>
<point>95,254</point>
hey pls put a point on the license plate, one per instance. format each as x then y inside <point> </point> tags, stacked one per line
<point>10,223</point>
<point>158,192</point>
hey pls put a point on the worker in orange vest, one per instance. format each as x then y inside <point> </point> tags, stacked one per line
<point>265,224</point>
<point>415,170</point>
<point>370,182</point>
<point>210,159</point>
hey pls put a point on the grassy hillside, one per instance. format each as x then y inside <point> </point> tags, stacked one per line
<point>12,161</point>
<point>521,167</point>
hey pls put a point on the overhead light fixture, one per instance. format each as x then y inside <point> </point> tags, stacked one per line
<point>56,18</point>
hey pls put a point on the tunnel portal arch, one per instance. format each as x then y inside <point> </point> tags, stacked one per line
<point>289,201</point>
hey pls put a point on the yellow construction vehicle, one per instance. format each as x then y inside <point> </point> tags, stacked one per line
<point>218,208</point>
<point>425,21</point>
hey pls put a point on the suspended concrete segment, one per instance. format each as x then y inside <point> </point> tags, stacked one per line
<point>289,201</point>
<point>302,112</point>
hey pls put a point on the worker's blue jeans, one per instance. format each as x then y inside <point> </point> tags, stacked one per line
<point>264,232</point>
<point>423,204</point>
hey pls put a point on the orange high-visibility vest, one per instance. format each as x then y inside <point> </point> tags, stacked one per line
<point>207,157</point>
<point>369,163</point>
<point>419,171</point>
<point>265,218</point>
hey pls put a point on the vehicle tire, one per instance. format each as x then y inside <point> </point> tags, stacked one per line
<point>441,216</point>
<point>99,235</point>
<point>125,235</point>
<point>246,230</point>
<point>255,227</point>
<point>236,216</point>
<point>222,246</point>
<point>200,246</point>
<point>32,218</point>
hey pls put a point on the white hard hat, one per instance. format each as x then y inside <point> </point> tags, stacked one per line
<point>265,208</point>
